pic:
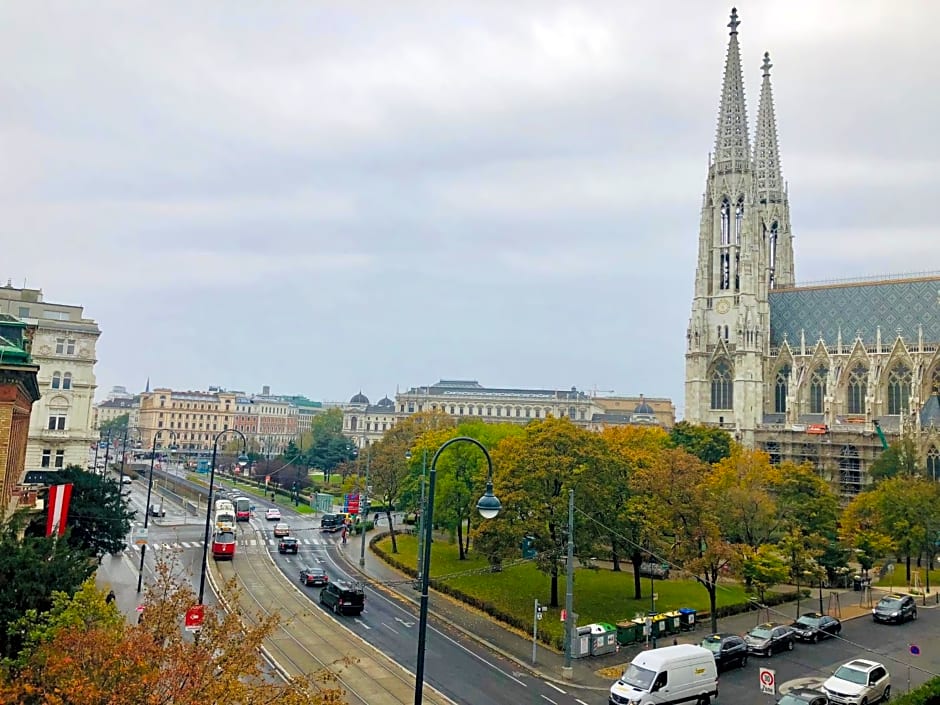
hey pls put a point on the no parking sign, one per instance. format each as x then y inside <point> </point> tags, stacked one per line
<point>768,681</point>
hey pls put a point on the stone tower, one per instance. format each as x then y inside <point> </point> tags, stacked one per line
<point>744,250</point>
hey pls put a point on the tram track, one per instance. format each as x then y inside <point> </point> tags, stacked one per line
<point>306,633</point>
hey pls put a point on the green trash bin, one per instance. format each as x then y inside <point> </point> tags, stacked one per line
<point>673,622</point>
<point>659,626</point>
<point>627,633</point>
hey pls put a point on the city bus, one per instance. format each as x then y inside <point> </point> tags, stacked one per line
<point>242,509</point>
<point>223,545</point>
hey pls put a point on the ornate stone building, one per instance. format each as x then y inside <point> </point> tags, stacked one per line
<point>805,372</point>
<point>63,345</point>
<point>18,392</point>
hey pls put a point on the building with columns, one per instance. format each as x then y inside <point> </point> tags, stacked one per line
<point>63,345</point>
<point>804,372</point>
<point>19,390</point>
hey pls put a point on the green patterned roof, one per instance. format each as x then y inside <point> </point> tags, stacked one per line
<point>902,305</point>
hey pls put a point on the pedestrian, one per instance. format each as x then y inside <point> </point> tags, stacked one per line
<point>344,534</point>
<point>376,520</point>
<point>111,597</point>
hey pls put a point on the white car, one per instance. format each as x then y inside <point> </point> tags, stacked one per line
<point>127,480</point>
<point>273,514</point>
<point>859,681</point>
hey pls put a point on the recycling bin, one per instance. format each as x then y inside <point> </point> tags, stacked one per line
<point>629,633</point>
<point>603,639</point>
<point>659,625</point>
<point>673,622</point>
<point>687,618</point>
<point>581,642</point>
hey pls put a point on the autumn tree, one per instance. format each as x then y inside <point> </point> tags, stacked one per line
<point>31,567</point>
<point>83,653</point>
<point>533,473</point>
<point>704,442</point>
<point>763,568</point>
<point>899,460</point>
<point>745,480</point>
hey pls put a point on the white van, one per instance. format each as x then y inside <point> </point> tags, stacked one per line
<point>672,674</point>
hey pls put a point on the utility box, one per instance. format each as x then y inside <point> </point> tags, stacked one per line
<point>581,642</point>
<point>603,639</point>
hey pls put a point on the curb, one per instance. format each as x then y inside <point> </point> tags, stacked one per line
<point>476,637</point>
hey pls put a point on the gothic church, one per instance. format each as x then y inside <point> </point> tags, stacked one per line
<point>804,372</point>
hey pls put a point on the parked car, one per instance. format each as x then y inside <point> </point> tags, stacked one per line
<point>281,530</point>
<point>769,638</point>
<point>157,511</point>
<point>273,514</point>
<point>314,576</point>
<point>656,570</point>
<point>895,608</point>
<point>813,627</point>
<point>728,649</point>
<point>288,544</point>
<point>343,598</point>
<point>859,681</point>
<point>127,480</point>
<point>331,523</point>
<point>804,696</point>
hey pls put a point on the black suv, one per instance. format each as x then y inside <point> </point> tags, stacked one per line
<point>331,523</point>
<point>728,649</point>
<point>895,608</point>
<point>288,544</point>
<point>343,598</point>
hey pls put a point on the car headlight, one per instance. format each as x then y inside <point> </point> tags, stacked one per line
<point>895,614</point>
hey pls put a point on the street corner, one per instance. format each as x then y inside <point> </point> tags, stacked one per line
<point>814,682</point>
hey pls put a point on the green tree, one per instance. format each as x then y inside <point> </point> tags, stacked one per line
<point>31,568</point>
<point>534,471</point>
<point>98,518</point>
<point>899,460</point>
<point>745,480</point>
<point>800,551</point>
<point>118,423</point>
<point>704,442</point>
<point>763,568</point>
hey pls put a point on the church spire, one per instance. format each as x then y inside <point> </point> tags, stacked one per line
<point>732,148</point>
<point>766,153</point>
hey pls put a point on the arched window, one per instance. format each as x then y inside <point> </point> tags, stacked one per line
<point>726,334</point>
<point>817,391</point>
<point>899,390</point>
<point>933,463</point>
<point>738,220</point>
<point>856,390</point>
<point>722,386</point>
<point>56,380</point>
<point>780,390</point>
<point>67,380</point>
<point>725,221</point>
<point>772,252</point>
<point>353,422</point>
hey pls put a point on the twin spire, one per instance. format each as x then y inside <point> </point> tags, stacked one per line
<point>732,146</point>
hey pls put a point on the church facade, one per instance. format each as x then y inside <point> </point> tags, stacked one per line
<point>807,373</point>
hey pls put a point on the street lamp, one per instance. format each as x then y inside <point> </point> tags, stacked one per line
<point>242,462</point>
<point>424,472</point>
<point>364,509</point>
<point>488,506</point>
<point>124,450</point>
<point>143,548</point>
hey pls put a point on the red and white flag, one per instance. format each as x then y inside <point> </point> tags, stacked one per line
<point>59,496</point>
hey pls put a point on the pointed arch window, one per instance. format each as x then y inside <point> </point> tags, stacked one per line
<point>899,390</point>
<point>725,221</point>
<point>772,253</point>
<point>780,390</point>
<point>738,220</point>
<point>933,463</point>
<point>856,390</point>
<point>722,386</point>
<point>817,390</point>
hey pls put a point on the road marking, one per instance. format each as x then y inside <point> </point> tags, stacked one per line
<point>401,621</point>
<point>362,623</point>
<point>580,701</point>
<point>388,627</point>
<point>555,687</point>
<point>545,697</point>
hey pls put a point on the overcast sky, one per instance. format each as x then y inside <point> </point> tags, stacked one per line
<point>324,197</point>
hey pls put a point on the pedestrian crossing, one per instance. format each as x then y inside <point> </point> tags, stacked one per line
<point>246,543</point>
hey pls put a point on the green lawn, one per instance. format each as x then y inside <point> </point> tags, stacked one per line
<point>599,595</point>
<point>302,508</point>
<point>898,578</point>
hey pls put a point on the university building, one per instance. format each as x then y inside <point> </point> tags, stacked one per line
<point>189,420</point>
<point>63,345</point>
<point>804,372</point>
<point>365,422</point>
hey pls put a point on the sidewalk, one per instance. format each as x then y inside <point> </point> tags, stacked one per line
<point>589,673</point>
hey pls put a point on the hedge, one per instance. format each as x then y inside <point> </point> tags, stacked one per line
<point>927,694</point>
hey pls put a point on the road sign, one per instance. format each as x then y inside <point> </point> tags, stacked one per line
<point>140,536</point>
<point>768,681</point>
<point>195,616</point>
<point>564,615</point>
<point>915,650</point>
<point>539,615</point>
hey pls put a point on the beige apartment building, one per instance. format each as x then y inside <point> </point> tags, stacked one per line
<point>63,345</point>
<point>111,409</point>
<point>189,420</point>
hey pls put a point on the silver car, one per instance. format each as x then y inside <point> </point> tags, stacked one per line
<point>857,682</point>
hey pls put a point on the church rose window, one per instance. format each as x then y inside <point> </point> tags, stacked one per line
<point>817,390</point>
<point>722,387</point>
<point>899,390</point>
<point>780,390</point>
<point>857,389</point>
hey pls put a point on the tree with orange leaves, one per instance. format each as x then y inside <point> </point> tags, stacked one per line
<point>82,652</point>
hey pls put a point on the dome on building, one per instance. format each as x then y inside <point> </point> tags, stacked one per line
<point>386,403</point>
<point>360,398</point>
<point>643,408</point>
